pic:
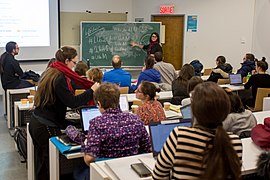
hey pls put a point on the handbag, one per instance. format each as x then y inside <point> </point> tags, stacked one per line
<point>260,134</point>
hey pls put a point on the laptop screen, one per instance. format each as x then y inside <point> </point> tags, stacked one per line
<point>160,132</point>
<point>186,112</point>
<point>235,79</point>
<point>87,114</point>
<point>123,101</point>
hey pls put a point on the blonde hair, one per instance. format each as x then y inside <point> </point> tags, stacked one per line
<point>95,74</point>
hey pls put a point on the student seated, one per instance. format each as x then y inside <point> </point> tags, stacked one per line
<point>192,83</point>
<point>239,119</point>
<point>205,150</point>
<point>248,65</point>
<point>114,133</point>
<point>94,74</point>
<point>151,109</point>
<point>221,71</point>
<point>179,86</point>
<point>258,80</point>
<point>80,68</point>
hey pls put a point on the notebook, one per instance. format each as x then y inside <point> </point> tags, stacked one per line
<point>186,113</point>
<point>87,114</point>
<point>159,131</point>
<point>123,102</point>
<point>235,79</point>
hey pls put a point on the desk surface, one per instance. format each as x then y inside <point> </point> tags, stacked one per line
<point>120,167</point>
<point>261,115</point>
<point>161,95</point>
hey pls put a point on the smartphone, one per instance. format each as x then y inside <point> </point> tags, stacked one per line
<point>141,170</point>
<point>66,140</point>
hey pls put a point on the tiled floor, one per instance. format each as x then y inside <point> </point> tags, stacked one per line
<point>10,166</point>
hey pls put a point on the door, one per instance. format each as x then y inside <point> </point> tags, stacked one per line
<point>174,38</point>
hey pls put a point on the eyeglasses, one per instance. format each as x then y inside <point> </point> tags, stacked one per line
<point>75,62</point>
<point>154,36</point>
<point>138,91</point>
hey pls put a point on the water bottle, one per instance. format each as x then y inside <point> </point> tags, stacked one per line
<point>248,76</point>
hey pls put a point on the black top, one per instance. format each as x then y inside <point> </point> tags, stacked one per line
<point>179,91</point>
<point>258,81</point>
<point>54,115</point>
<point>10,78</point>
<point>155,48</point>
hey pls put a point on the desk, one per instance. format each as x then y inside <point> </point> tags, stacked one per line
<point>261,115</point>
<point>232,87</point>
<point>54,160</point>
<point>165,95</point>
<point>204,78</point>
<point>19,110</point>
<point>30,156</point>
<point>12,96</point>
<point>99,170</point>
<point>121,167</point>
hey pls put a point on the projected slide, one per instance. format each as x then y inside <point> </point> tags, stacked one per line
<point>25,21</point>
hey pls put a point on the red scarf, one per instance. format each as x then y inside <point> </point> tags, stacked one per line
<point>82,82</point>
<point>151,45</point>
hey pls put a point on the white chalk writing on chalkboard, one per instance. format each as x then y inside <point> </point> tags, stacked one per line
<point>102,41</point>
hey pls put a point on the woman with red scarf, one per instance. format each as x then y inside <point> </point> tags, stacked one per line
<point>151,48</point>
<point>54,94</point>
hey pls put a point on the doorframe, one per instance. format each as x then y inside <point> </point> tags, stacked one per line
<point>184,31</point>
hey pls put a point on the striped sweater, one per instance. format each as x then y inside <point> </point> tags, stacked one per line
<point>182,154</point>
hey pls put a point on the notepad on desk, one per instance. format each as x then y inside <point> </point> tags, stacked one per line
<point>175,108</point>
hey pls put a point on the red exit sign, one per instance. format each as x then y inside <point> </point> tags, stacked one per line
<point>166,9</point>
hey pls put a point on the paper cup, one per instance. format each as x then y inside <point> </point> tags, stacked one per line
<point>24,101</point>
<point>134,108</point>
<point>30,98</point>
<point>167,106</point>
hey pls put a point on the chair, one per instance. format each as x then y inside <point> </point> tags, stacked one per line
<point>136,102</point>
<point>207,72</point>
<point>79,91</point>
<point>261,93</point>
<point>223,81</point>
<point>123,90</point>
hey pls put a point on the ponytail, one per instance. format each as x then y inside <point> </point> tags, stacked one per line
<point>220,159</point>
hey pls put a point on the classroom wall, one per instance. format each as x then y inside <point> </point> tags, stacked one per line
<point>261,35</point>
<point>224,27</point>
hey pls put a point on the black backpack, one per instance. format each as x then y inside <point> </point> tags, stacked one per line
<point>20,138</point>
<point>31,75</point>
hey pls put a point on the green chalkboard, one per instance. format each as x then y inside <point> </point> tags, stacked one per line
<point>100,41</point>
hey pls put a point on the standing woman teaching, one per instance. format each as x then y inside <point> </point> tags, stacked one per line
<point>53,96</point>
<point>153,45</point>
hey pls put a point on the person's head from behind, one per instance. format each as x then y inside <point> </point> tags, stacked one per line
<point>249,57</point>
<point>210,106</point>
<point>149,62</point>
<point>261,66</point>
<point>81,68</point>
<point>67,55</point>
<point>236,103</point>
<point>12,48</point>
<point>107,96</point>
<point>193,82</point>
<point>186,72</point>
<point>94,74</point>
<point>220,60</point>
<point>116,61</point>
<point>158,56</point>
<point>146,91</point>
<point>154,38</point>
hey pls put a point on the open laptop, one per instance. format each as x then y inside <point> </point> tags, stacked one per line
<point>123,102</point>
<point>235,79</point>
<point>87,114</point>
<point>159,131</point>
<point>186,113</point>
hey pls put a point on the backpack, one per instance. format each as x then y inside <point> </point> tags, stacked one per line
<point>197,65</point>
<point>20,138</point>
